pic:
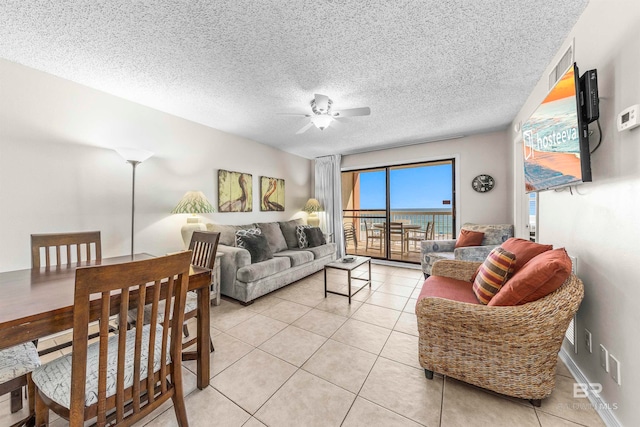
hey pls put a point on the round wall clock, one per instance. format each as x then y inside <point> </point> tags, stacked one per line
<point>483,183</point>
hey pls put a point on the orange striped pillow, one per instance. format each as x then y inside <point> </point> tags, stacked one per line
<point>493,273</point>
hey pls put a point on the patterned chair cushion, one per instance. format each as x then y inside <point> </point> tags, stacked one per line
<point>17,361</point>
<point>54,378</point>
<point>190,305</point>
<point>493,273</point>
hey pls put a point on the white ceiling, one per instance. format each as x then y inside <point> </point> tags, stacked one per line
<point>428,69</point>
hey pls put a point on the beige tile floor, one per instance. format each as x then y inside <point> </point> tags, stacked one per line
<point>294,358</point>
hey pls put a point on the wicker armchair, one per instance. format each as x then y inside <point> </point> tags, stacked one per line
<point>510,350</point>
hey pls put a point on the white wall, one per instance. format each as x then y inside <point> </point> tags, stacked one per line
<point>488,153</point>
<point>58,171</point>
<point>599,222</point>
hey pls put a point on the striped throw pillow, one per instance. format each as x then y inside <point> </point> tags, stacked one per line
<point>493,273</point>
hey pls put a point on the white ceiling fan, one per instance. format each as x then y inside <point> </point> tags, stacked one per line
<point>322,115</point>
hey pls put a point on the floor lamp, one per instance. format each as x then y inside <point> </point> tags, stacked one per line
<point>133,156</point>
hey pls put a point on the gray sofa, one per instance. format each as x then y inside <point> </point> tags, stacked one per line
<point>435,250</point>
<point>244,281</point>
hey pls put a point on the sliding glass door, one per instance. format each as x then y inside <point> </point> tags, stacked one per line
<point>393,208</point>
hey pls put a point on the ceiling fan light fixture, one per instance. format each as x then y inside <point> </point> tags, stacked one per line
<point>321,121</point>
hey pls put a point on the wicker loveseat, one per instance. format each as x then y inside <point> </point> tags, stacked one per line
<point>511,350</point>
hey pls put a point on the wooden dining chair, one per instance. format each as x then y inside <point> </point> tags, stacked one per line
<point>16,365</point>
<point>373,234</point>
<point>204,245</point>
<point>349,231</point>
<point>125,376</point>
<point>417,236</point>
<point>396,233</point>
<point>62,249</point>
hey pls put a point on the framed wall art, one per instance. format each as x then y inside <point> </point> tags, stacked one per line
<point>271,194</point>
<point>235,191</point>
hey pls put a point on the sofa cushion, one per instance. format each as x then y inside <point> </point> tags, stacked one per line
<point>302,237</point>
<point>524,250</point>
<point>322,250</point>
<point>314,237</point>
<point>448,288</point>
<point>288,229</point>
<point>297,257</point>
<point>538,278</point>
<point>257,245</point>
<point>493,273</point>
<point>271,230</point>
<point>260,270</point>
<point>469,238</point>
<point>228,232</point>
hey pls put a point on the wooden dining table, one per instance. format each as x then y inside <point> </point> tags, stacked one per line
<point>35,303</point>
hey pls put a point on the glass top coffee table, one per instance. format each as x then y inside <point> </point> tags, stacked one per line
<point>340,264</point>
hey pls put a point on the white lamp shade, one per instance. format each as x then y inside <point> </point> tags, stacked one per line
<point>133,154</point>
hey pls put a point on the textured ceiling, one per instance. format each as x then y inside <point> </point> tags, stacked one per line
<point>428,69</point>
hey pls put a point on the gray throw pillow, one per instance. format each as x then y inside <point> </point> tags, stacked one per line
<point>257,246</point>
<point>228,232</point>
<point>271,230</point>
<point>315,237</point>
<point>240,233</point>
<point>288,229</point>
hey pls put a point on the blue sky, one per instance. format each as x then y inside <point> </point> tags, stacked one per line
<point>411,188</point>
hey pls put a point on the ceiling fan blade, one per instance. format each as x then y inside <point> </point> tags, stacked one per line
<point>350,112</point>
<point>322,102</point>
<point>294,114</point>
<point>305,128</point>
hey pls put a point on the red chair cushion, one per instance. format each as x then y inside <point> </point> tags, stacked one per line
<point>469,238</point>
<point>538,278</point>
<point>524,250</point>
<point>448,288</point>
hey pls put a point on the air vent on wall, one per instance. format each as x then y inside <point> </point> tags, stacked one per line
<point>562,66</point>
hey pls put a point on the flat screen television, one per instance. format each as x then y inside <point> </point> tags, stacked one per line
<point>556,139</point>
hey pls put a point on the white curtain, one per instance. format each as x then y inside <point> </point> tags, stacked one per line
<point>328,182</point>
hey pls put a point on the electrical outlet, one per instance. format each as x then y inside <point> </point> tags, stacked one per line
<point>615,369</point>
<point>587,340</point>
<point>574,264</point>
<point>604,358</point>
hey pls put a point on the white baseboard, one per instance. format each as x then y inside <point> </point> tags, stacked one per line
<point>602,408</point>
<point>396,264</point>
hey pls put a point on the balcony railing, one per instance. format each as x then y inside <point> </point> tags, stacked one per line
<point>442,220</point>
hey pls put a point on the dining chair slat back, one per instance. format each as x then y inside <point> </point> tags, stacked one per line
<point>125,376</point>
<point>68,248</point>
<point>204,245</point>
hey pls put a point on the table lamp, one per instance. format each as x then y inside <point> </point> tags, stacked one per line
<point>193,202</point>
<point>312,207</point>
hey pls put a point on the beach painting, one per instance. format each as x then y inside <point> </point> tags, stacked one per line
<point>235,191</point>
<point>551,139</point>
<point>271,194</point>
